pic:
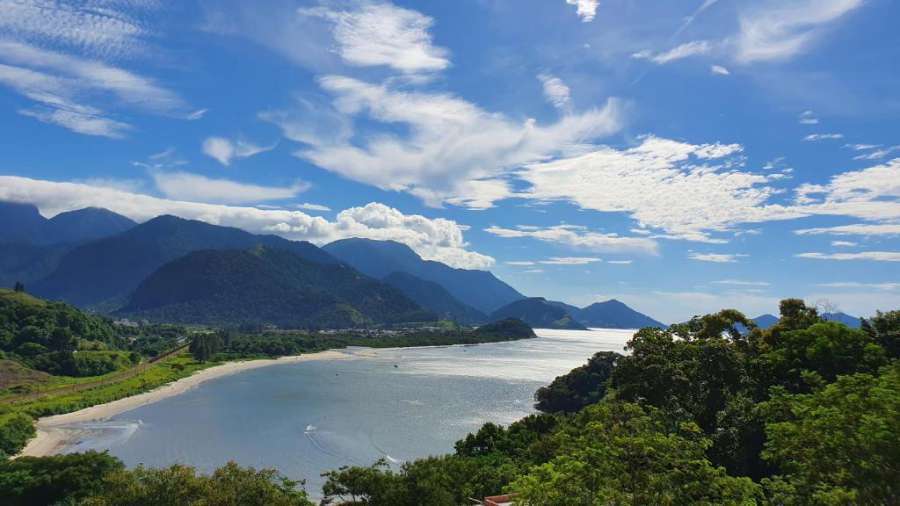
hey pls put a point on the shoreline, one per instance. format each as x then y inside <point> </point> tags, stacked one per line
<point>52,433</point>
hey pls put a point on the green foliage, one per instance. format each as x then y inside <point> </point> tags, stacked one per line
<point>15,431</point>
<point>230,485</point>
<point>204,346</point>
<point>884,328</point>
<point>509,328</point>
<point>619,453</point>
<point>58,479</point>
<point>838,445</point>
<point>267,286</point>
<point>582,386</point>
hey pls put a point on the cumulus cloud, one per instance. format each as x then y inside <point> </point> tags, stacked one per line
<point>879,256</point>
<point>586,9</point>
<point>197,188</point>
<point>556,92</point>
<point>383,34</point>
<point>781,29</point>
<point>686,190</point>
<point>719,258</point>
<point>719,70</point>
<point>686,50</point>
<point>434,239</point>
<point>225,150</point>
<point>451,150</point>
<point>872,194</point>
<point>578,237</point>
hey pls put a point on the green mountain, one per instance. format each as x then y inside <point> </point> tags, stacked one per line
<point>265,285</point>
<point>614,314</point>
<point>434,298</point>
<point>538,312</point>
<point>479,289</point>
<point>107,270</point>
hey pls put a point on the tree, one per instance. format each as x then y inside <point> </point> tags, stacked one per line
<point>204,346</point>
<point>59,479</point>
<point>230,485</point>
<point>580,387</point>
<point>884,328</point>
<point>837,445</point>
<point>623,454</point>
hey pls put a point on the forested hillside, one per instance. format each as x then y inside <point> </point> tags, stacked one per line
<point>803,413</point>
<point>267,286</point>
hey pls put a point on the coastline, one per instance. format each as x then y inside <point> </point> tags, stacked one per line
<point>53,434</point>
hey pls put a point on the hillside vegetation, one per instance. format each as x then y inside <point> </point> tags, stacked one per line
<point>267,286</point>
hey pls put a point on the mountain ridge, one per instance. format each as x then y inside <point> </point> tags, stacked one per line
<point>478,289</point>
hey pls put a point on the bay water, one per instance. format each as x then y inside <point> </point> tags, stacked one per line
<point>306,418</point>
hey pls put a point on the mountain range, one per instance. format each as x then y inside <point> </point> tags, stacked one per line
<point>542,313</point>
<point>266,285</point>
<point>379,259</point>
<point>192,271</point>
<point>767,320</point>
<point>23,224</point>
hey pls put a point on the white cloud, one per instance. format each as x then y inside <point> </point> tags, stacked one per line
<point>382,34</point>
<point>520,263</point>
<point>578,238</point>
<point>843,244</point>
<point>808,118</point>
<point>719,70</point>
<point>862,147</point>
<point>888,287</point>
<point>620,262</point>
<point>877,154</point>
<point>570,261</point>
<point>225,150</point>
<point>781,29</point>
<point>822,137</point>
<point>434,239</point>
<point>871,194</point>
<point>556,91</point>
<point>196,115</point>
<point>451,151</point>
<point>859,229</point>
<point>306,206</point>
<point>686,190</point>
<point>686,50</point>
<point>586,9</point>
<point>878,256</point>
<point>61,86</point>
<point>197,188</point>
<point>719,258</point>
<point>101,29</point>
<point>738,282</point>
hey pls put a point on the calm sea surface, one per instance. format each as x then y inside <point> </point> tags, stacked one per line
<point>309,417</point>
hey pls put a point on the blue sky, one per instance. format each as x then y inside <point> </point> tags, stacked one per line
<point>679,156</point>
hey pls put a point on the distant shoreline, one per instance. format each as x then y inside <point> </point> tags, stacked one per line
<point>53,434</point>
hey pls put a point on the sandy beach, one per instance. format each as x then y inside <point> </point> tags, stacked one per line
<point>54,432</point>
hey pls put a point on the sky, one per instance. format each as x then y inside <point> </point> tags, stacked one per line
<point>679,156</point>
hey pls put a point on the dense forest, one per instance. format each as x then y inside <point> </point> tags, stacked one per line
<point>713,411</point>
<point>806,412</point>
